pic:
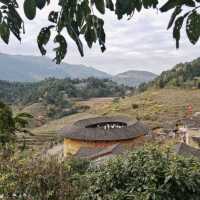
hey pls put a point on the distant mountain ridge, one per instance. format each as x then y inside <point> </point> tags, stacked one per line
<point>36,68</point>
<point>21,68</point>
<point>134,77</point>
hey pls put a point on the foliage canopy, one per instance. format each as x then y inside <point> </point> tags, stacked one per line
<point>146,174</point>
<point>10,124</point>
<point>80,19</point>
<point>183,75</point>
<point>58,91</point>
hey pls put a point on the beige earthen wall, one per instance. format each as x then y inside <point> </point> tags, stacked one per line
<point>72,146</point>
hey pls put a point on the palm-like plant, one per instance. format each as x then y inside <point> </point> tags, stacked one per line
<point>10,124</point>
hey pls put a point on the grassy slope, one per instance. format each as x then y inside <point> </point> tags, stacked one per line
<point>155,107</point>
<point>158,107</point>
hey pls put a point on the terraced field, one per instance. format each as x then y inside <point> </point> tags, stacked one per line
<point>159,107</point>
<point>48,133</point>
<point>154,107</point>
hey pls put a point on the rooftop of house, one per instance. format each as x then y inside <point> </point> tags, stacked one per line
<point>191,122</point>
<point>105,129</point>
<point>94,153</point>
<point>186,150</point>
<point>196,139</point>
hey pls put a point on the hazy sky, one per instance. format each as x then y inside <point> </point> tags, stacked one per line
<point>142,43</point>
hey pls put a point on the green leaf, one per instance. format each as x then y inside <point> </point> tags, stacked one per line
<point>4,32</point>
<point>1,16</point>
<point>100,5</point>
<point>123,6</point>
<point>177,28</point>
<point>150,3</point>
<point>6,2</point>
<point>53,16</point>
<point>15,22</point>
<point>89,37</point>
<point>168,5</point>
<point>110,5</point>
<point>176,12</point>
<point>61,50</point>
<point>30,9</point>
<point>138,5</point>
<point>190,3</point>
<point>74,35</point>
<point>4,7</point>
<point>43,38</point>
<point>80,16</point>
<point>40,3</point>
<point>193,27</point>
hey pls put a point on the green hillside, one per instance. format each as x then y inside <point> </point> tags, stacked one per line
<point>58,96</point>
<point>182,75</point>
<point>54,91</point>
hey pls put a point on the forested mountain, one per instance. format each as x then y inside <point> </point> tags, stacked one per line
<point>54,91</point>
<point>186,75</point>
<point>36,68</point>
<point>134,77</point>
<point>59,95</point>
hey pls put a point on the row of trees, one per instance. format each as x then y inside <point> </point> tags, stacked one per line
<point>185,75</point>
<point>58,95</point>
<point>57,91</point>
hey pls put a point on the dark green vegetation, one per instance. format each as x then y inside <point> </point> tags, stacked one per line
<point>80,21</point>
<point>59,95</point>
<point>42,180</point>
<point>58,91</point>
<point>184,75</point>
<point>145,174</point>
<point>10,125</point>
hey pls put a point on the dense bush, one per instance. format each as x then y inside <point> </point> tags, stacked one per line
<point>41,180</point>
<point>149,173</point>
<point>10,124</point>
<point>146,174</point>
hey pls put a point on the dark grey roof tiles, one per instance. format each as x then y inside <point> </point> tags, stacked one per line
<point>186,150</point>
<point>196,139</point>
<point>193,122</point>
<point>79,131</point>
<point>93,153</point>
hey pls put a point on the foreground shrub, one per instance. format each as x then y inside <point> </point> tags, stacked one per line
<point>147,174</point>
<point>150,173</point>
<point>41,180</point>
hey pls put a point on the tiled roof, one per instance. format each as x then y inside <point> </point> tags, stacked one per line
<point>80,131</point>
<point>186,150</point>
<point>196,139</point>
<point>93,153</point>
<point>193,122</point>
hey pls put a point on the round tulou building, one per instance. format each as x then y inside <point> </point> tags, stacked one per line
<point>102,132</point>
